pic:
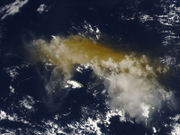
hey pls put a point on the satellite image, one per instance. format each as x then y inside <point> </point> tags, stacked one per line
<point>89,67</point>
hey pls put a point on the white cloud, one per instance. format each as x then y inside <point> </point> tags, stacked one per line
<point>145,18</point>
<point>175,125</point>
<point>74,84</point>
<point>42,8</point>
<point>2,115</point>
<point>27,102</point>
<point>12,8</point>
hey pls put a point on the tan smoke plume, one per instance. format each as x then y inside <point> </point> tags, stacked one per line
<point>130,78</point>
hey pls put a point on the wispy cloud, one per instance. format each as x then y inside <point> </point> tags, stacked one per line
<point>12,8</point>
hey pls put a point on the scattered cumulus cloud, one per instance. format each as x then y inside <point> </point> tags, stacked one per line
<point>42,8</point>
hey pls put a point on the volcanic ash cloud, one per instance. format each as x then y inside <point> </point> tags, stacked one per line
<point>131,79</point>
